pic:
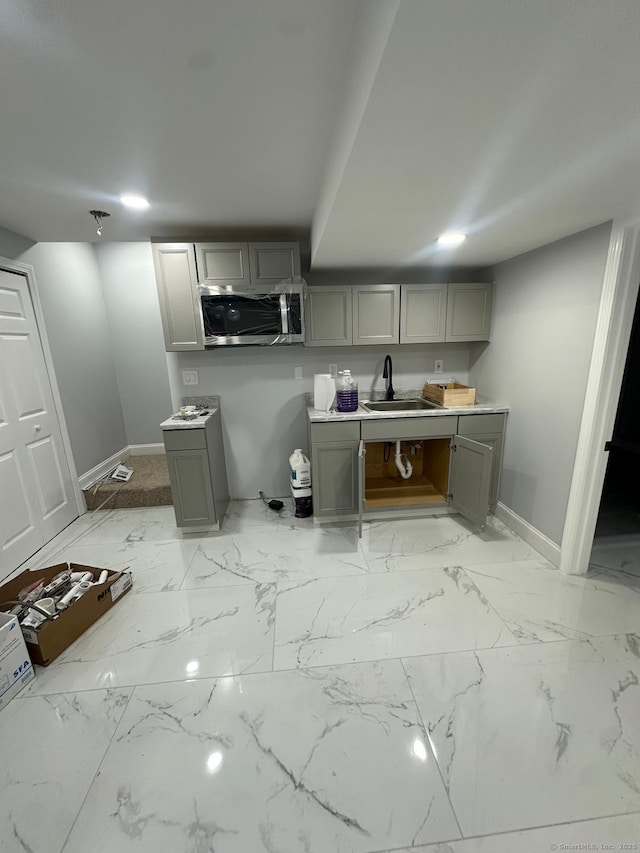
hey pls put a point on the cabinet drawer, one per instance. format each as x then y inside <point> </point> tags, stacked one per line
<point>390,429</point>
<point>337,431</point>
<point>476,424</point>
<point>185,439</point>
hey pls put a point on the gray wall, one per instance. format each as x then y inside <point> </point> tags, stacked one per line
<point>130,294</point>
<point>263,407</point>
<point>13,244</point>
<point>545,311</point>
<point>76,322</point>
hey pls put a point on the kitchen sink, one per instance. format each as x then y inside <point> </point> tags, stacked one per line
<point>399,405</point>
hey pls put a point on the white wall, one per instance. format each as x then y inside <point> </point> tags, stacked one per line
<point>130,294</point>
<point>75,318</point>
<point>263,406</point>
<point>546,306</point>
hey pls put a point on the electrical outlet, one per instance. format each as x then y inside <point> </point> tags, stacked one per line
<point>438,365</point>
<point>189,377</point>
<point>333,370</point>
<point>297,372</point>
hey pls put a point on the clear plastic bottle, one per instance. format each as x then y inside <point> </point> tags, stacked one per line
<point>347,392</point>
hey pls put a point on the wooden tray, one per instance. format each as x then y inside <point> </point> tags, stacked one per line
<point>450,394</point>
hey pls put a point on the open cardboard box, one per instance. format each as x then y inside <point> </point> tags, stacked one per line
<point>52,638</point>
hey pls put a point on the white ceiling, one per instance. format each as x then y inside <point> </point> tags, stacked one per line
<point>380,122</point>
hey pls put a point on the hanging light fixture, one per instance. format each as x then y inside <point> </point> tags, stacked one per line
<point>99,215</point>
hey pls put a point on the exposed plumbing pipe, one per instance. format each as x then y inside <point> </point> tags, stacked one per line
<point>405,468</point>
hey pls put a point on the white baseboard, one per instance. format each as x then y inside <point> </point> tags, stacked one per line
<point>531,535</point>
<point>90,477</point>
<point>145,449</point>
<point>96,473</point>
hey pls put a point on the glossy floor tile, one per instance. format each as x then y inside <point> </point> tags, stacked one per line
<point>539,603</point>
<point>338,620</point>
<point>609,833</point>
<point>439,541</point>
<point>618,553</point>
<point>292,688</point>
<point>168,636</point>
<point>213,766</point>
<point>50,750</point>
<point>534,735</point>
<point>270,556</point>
<point>155,566</point>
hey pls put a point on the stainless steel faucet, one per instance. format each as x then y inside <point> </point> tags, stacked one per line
<point>387,373</point>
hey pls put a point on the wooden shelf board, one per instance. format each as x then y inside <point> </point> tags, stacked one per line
<point>384,491</point>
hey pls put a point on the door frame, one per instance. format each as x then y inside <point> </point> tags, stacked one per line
<point>611,343</point>
<point>28,272</point>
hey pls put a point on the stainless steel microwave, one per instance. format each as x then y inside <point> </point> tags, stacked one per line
<point>232,317</point>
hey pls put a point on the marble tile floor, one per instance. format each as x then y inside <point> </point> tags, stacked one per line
<point>281,687</point>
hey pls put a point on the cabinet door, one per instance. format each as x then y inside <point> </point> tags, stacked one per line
<point>191,487</point>
<point>495,442</point>
<point>362,452</point>
<point>423,313</point>
<point>334,478</point>
<point>470,479</point>
<point>177,292</point>
<point>328,317</point>
<point>223,263</point>
<point>270,263</point>
<point>469,309</point>
<point>376,314</point>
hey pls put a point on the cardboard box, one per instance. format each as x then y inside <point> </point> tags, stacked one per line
<point>450,394</point>
<point>52,638</point>
<point>15,667</point>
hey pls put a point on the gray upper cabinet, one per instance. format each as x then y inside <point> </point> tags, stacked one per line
<point>223,263</point>
<point>328,317</point>
<point>469,309</point>
<point>376,314</point>
<point>270,263</point>
<point>423,313</point>
<point>177,293</point>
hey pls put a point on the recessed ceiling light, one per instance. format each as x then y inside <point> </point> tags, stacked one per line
<point>451,238</point>
<point>137,202</point>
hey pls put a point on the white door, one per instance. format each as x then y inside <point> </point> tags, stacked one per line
<point>36,493</point>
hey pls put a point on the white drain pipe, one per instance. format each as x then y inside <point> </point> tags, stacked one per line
<point>404,467</point>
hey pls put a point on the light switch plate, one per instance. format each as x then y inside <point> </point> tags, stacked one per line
<point>438,366</point>
<point>333,370</point>
<point>297,372</point>
<point>189,377</point>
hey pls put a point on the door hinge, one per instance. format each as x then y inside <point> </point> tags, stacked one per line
<point>453,447</point>
<point>449,496</point>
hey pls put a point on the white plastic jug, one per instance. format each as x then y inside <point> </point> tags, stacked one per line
<point>300,470</point>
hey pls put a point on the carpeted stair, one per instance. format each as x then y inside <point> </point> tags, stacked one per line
<point>148,486</point>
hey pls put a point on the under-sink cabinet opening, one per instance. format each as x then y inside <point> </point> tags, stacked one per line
<point>384,484</point>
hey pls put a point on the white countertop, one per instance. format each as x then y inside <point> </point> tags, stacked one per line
<point>195,423</point>
<point>484,406</point>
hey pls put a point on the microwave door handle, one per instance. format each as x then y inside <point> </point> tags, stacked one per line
<point>284,313</point>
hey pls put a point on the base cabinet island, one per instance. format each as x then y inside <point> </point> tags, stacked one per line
<point>455,456</point>
<point>197,469</point>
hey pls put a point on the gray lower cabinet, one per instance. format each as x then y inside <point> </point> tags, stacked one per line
<point>334,451</point>
<point>176,281</point>
<point>457,463</point>
<point>488,429</point>
<point>198,474</point>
